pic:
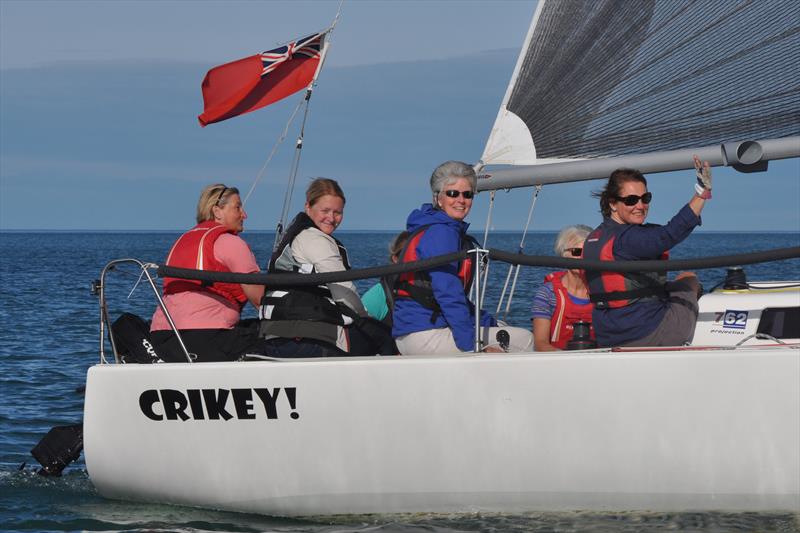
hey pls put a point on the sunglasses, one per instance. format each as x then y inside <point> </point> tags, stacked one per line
<point>574,252</point>
<point>632,199</point>
<point>455,194</point>
<point>219,198</point>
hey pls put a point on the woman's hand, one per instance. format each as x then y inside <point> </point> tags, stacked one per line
<point>702,187</point>
<point>703,172</point>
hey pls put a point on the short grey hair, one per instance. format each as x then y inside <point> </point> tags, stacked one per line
<point>578,232</point>
<point>450,171</point>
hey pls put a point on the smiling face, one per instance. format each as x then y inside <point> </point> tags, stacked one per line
<point>231,214</point>
<point>327,213</point>
<point>456,208</point>
<point>624,214</point>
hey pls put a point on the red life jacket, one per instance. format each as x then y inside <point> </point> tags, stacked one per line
<point>566,313</point>
<point>611,290</point>
<point>195,249</point>
<point>417,285</point>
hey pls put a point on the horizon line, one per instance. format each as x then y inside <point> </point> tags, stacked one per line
<point>271,231</point>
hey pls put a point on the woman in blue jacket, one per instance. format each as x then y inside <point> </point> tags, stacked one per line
<point>432,313</point>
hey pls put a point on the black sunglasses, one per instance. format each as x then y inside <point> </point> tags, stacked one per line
<point>455,194</point>
<point>575,252</point>
<point>632,199</point>
<point>219,198</point>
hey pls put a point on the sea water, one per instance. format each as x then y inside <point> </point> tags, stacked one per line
<point>49,324</point>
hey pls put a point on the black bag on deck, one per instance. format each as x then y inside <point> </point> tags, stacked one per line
<point>132,338</point>
<point>371,337</point>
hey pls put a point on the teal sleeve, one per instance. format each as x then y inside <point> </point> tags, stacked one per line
<point>375,302</point>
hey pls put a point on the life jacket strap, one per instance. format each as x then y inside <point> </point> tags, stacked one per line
<point>421,295</point>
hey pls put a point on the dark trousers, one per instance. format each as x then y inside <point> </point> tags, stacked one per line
<point>281,347</point>
<point>208,345</point>
<point>367,337</point>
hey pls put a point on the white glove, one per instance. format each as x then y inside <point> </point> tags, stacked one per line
<point>703,173</point>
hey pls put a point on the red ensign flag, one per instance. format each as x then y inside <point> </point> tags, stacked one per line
<point>254,82</point>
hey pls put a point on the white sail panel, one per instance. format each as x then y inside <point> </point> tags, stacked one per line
<point>608,78</point>
<point>510,141</point>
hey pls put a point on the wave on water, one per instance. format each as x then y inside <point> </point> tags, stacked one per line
<point>31,502</point>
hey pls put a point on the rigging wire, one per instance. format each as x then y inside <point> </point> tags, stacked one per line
<point>478,168</point>
<point>287,199</point>
<point>515,268</point>
<point>138,281</point>
<point>484,281</point>
<point>277,144</point>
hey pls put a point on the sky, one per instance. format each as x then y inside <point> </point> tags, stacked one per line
<point>98,106</point>
<point>41,32</point>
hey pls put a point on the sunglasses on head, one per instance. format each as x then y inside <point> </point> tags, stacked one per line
<point>219,198</point>
<point>452,193</point>
<point>633,199</point>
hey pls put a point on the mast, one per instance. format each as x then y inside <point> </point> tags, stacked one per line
<point>300,137</point>
<point>298,147</point>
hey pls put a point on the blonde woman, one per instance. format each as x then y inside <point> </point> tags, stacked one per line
<point>207,315</point>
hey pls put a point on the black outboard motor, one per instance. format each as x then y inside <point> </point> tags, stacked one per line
<point>57,449</point>
<point>581,337</point>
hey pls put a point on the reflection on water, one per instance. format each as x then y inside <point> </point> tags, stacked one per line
<point>33,503</point>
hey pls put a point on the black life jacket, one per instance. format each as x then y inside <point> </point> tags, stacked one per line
<point>312,303</point>
<point>611,290</point>
<point>417,285</point>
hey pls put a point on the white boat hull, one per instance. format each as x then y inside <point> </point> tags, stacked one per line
<point>673,430</point>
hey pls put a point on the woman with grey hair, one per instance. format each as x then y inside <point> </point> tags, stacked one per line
<point>432,312</point>
<point>563,299</point>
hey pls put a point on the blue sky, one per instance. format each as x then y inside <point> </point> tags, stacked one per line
<point>98,105</point>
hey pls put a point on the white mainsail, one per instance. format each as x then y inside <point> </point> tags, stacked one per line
<point>651,80</point>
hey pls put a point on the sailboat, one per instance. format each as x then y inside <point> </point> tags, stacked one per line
<point>713,426</point>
